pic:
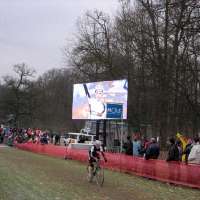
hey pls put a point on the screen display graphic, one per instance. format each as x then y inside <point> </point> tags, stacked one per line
<point>100,100</point>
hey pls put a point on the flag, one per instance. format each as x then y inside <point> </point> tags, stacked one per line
<point>184,142</point>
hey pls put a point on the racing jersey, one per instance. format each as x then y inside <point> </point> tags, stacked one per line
<point>94,151</point>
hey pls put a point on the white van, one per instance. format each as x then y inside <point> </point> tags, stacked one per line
<point>78,138</point>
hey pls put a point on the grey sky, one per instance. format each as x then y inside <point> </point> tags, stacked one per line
<point>35,31</point>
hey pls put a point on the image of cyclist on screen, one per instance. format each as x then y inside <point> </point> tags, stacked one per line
<point>97,104</point>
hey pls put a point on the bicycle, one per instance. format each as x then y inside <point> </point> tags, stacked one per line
<point>96,172</point>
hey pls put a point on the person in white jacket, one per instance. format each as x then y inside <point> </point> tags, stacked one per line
<point>194,156</point>
<point>97,104</point>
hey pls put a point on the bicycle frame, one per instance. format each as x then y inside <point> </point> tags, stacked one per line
<point>97,172</point>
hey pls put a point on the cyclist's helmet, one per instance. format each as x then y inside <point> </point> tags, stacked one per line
<point>97,143</point>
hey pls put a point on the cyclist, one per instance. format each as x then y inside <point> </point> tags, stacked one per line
<point>94,155</point>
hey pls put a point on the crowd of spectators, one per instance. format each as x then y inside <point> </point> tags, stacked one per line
<point>150,149</point>
<point>189,154</point>
<point>21,135</point>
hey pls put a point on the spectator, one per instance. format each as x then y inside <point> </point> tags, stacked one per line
<point>1,135</point>
<point>33,136</point>
<point>29,133</point>
<point>145,144</point>
<point>194,156</point>
<point>153,150</point>
<point>51,136</point>
<point>173,152</point>
<point>187,150</point>
<point>57,139</point>
<point>82,139</point>
<point>44,139</point>
<point>67,141</point>
<point>128,146</point>
<point>180,149</point>
<point>136,147</point>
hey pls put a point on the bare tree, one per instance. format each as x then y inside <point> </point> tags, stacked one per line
<point>17,100</point>
<point>92,54</point>
<point>155,45</point>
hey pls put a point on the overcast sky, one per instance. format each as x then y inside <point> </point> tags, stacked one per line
<point>35,31</point>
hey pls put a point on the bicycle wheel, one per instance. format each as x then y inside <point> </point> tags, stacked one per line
<point>99,176</point>
<point>89,173</point>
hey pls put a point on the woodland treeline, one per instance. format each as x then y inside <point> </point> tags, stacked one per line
<point>155,44</point>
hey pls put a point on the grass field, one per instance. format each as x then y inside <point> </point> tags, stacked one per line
<point>28,176</point>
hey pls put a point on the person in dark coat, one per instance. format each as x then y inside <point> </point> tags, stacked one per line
<point>57,139</point>
<point>153,150</point>
<point>180,149</point>
<point>173,152</point>
<point>128,146</point>
<point>187,150</point>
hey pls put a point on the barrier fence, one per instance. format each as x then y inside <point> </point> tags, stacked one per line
<point>170,172</point>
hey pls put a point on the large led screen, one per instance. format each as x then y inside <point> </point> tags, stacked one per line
<point>100,100</point>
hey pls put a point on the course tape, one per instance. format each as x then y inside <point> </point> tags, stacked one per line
<point>170,172</point>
